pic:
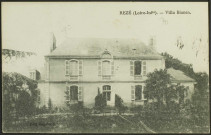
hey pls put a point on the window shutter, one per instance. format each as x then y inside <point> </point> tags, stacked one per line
<point>112,68</point>
<point>68,93</point>
<point>132,93</point>
<point>70,68</point>
<point>144,68</point>
<point>80,67</point>
<point>80,94</point>
<point>131,68</point>
<point>99,68</point>
<point>67,67</point>
<point>143,97</point>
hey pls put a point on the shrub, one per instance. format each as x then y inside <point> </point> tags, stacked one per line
<point>100,102</point>
<point>77,107</point>
<point>119,104</point>
<point>137,109</point>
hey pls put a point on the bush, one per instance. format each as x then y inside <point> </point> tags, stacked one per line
<point>77,108</point>
<point>119,104</point>
<point>100,102</point>
<point>137,109</point>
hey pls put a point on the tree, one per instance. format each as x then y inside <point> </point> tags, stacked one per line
<point>50,105</point>
<point>9,53</point>
<point>199,105</point>
<point>157,86</point>
<point>160,89</point>
<point>19,97</point>
<point>77,108</point>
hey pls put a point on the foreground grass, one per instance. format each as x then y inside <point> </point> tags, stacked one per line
<point>68,123</point>
<point>76,124</point>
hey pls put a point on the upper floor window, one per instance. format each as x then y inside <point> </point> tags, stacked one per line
<point>106,68</point>
<point>73,67</point>
<point>137,68</point>
<point>107,92</point>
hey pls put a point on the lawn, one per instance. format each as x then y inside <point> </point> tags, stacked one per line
<point>69,123</point>
<point>66,123</point>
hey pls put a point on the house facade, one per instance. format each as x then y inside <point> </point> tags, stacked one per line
<point>82,67</point>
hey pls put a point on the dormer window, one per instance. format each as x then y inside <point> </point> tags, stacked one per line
<point>106,55</point>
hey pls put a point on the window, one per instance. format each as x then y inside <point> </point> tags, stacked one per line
<point>73,92</point>
<point>32,75</point>
<point>106,68</point>
<point>137,67</point>
<point>138,92</point>
<point>186,91</point>
<point>74,68</point>
<point>107,92</point>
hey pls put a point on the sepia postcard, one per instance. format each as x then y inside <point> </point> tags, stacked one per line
<point>105,67</point>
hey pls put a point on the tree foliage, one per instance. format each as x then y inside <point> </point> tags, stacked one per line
<point>119,104</point>
<point>201,77</point>
<point>9,53</point>
<point>161,91</point>
<point>157,84</point>
<point>199,105</point>
<point>20,96</point>
<point>100,102</point>
<point>50,105</point>
<point>77,108</point>
<point>74,106</point>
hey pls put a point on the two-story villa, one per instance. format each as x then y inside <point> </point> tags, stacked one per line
<point>112,66</point>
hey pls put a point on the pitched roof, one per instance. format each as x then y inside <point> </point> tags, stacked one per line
<point>94,47</point>
<point>179,76</point>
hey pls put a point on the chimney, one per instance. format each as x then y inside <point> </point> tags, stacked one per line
<point>152,43</point>
<point>52,42</point>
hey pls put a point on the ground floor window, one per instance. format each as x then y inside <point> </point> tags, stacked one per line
<point>138,92</point>
<point>73,92</point>
<point>107,92</point>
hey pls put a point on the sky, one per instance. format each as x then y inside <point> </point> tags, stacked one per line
<point>27,26</point>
